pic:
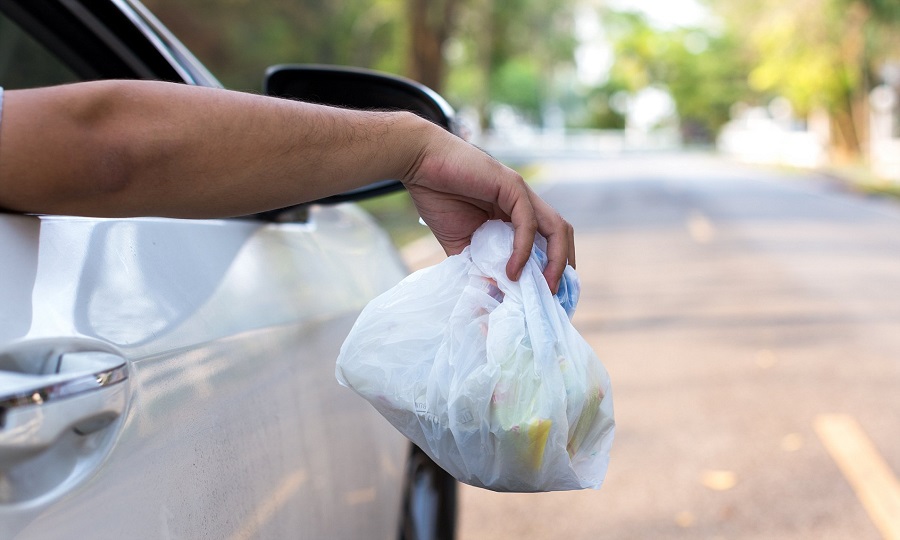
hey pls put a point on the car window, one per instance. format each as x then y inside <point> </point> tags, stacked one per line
<point>24,63</point>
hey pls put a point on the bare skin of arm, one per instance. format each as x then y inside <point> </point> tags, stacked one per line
<point>140,148</point>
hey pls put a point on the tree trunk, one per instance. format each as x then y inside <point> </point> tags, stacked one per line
<point>486,41</point>
<point>850,120</point>
<point>845,142</point>
<point>431,23</point>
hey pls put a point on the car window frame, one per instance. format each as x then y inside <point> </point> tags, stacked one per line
<point>118,39</point>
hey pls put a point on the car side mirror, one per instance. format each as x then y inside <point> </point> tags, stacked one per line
<point>355,88</point>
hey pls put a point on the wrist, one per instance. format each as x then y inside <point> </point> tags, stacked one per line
<point>416,136</point>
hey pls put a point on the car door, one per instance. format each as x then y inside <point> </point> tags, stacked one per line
<point>165,378</point>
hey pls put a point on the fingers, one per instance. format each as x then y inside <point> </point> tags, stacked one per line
<point>560,242</point>
<point>457,187</point>
<point>538,216</point>
<point>525,225</point>
<point>523,239</point>
<point>571,246</point>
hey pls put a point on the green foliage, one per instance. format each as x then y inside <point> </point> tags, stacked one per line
<point>637,49</point>
<point>596,110</point>
<point>884,11</point>
<point>820,54</point>
<point>518,82</point>
<point>240,38</point>
<point>600,114</point>
<point>465,84</point>
<point>511,52</point>
<point>508,52</point>
<point>398,215</point>
<point>799,55</point>
<point>704,71</point>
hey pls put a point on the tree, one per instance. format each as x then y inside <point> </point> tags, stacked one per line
<point>819,54</point>
<point>706,74</point>
<point>431,23</point>
<point>704,71</point>
<point>511,52</point>
<point>512,48</point>
<point>238,40</point>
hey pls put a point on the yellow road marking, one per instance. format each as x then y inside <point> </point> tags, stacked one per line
<point>267,509</point>
<point>872,479</point>
<point>791,442</point>
<point>719,480</point>
<point>685,519</point>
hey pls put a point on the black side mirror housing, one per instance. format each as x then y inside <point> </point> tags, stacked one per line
<point>355,88</point>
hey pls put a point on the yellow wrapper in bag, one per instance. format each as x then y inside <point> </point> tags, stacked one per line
<point>486,375</point>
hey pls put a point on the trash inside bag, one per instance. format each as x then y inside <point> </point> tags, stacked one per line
<point>487,375</point>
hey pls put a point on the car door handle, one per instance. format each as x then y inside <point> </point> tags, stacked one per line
<point>43,396</point>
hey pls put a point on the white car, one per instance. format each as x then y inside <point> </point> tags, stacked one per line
<point>165,378</point>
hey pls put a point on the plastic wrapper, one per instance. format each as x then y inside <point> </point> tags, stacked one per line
<point>487,375</point>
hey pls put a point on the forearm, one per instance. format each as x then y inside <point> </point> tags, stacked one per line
<point>142,148</point>
<point>123,149</point>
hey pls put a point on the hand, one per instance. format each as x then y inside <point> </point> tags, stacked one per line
<point>456,188</point>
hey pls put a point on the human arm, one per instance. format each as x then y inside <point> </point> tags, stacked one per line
<point>137,148</point>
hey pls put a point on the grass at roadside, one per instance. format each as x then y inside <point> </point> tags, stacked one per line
<point>856,178</point>
<point>397,214</point>
<point>861,179</point>
<point>889,189</point>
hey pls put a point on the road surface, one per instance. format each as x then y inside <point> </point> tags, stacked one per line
<point>750,321</point>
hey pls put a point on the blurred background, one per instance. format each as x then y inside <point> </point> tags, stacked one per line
<point>799,83</point>
<point>731,170</point>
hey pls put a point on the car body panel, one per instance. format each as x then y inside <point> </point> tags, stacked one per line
<point>235,426</point>
<point>227,421</point>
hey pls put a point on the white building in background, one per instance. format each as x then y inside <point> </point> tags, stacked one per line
<point>884,132</point>
<point>771,135</point>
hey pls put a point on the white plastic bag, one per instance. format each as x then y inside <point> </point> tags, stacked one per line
<point>486,375</point>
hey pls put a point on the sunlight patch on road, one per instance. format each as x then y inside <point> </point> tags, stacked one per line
<point>685,519</point>
<point>869,475</point>
<point>792,442</point>
<point>766,359</point>
<point>719,480</point>
<point>700,228</point>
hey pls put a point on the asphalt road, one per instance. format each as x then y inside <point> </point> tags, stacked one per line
<point>750,321</point>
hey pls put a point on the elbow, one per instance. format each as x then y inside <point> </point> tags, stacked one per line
<point>70,149</point>
<point>108,152</point>
<point>108,132</point>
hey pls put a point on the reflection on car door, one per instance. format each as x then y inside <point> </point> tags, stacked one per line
<point>232,424</point>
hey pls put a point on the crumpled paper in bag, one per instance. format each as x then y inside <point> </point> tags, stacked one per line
<point>487,375</point>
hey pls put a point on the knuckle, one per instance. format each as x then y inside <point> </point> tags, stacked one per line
<point>517,179</point>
